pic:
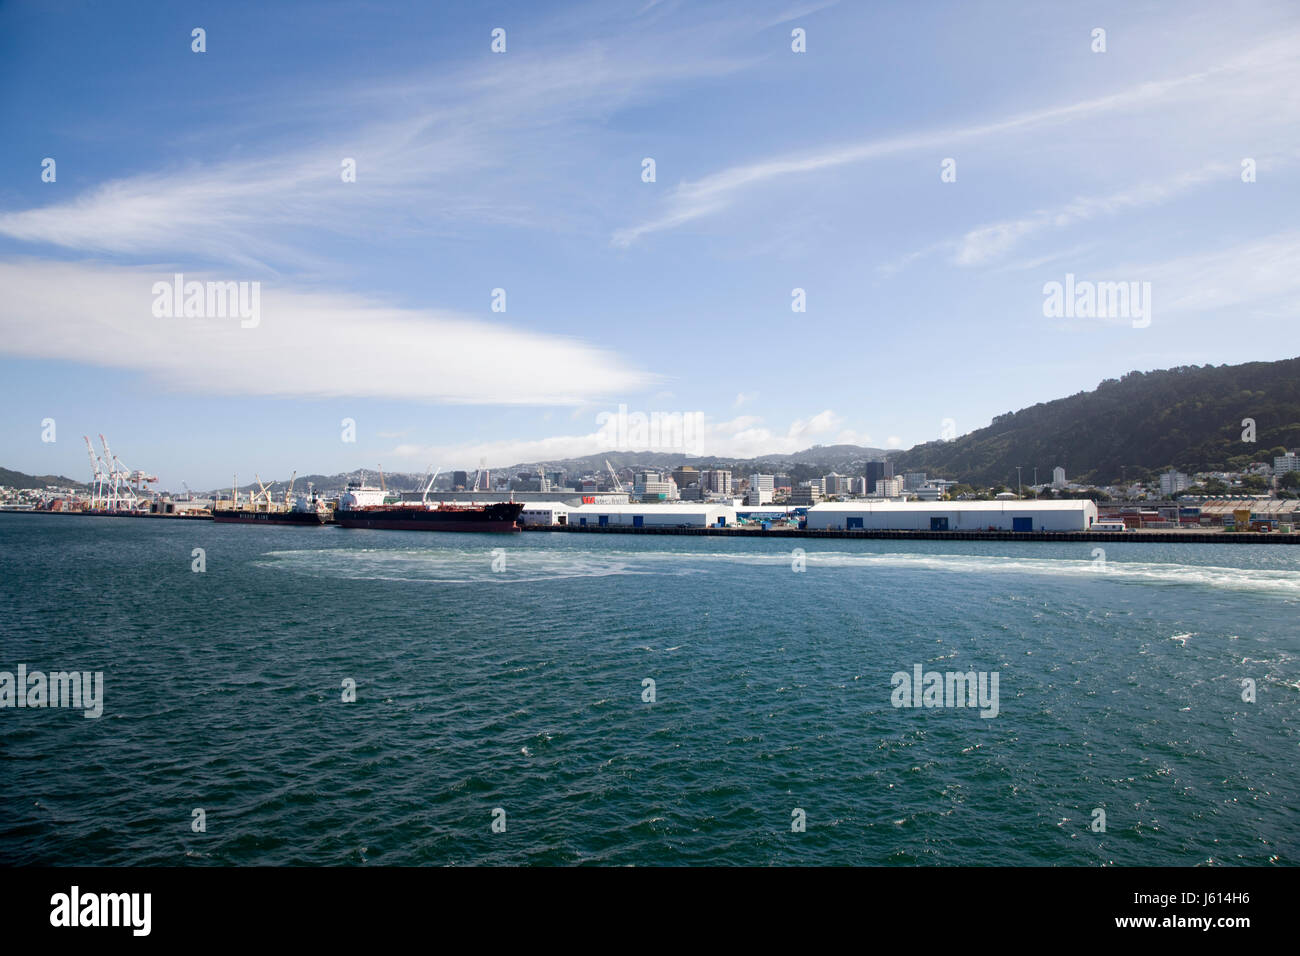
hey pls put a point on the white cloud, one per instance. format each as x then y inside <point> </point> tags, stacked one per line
<point>744,398</point>
<point>308,344</point>
<point>819,424</point>
<point>850,437</point>
<point>741,437</point>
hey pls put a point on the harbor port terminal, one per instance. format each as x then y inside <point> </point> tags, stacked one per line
<point>1014,520</point>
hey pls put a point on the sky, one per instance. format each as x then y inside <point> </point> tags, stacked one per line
<point>502,273</point>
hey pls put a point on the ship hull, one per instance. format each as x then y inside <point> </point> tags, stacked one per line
<point>500,518</point>
<point>308,518</point>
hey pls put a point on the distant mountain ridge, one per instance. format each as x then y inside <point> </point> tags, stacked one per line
<point>811,462</point>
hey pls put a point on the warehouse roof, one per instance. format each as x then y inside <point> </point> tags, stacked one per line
<point>1071,504</point>
<point>660,508</point>
<point>1254,505</point>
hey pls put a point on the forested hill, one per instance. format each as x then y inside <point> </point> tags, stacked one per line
<point>17,479</point>
<point>1189,418</point>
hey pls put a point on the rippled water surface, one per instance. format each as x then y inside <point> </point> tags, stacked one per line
<point>1120,678</point>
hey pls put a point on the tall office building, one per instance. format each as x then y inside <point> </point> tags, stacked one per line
<point>716,480</point>
<point>1172,482</point>
<point>835,484</point>
<point>876,470</point>
<point>687,475</point>
<point>1288,462</point>
<point>889,487</point>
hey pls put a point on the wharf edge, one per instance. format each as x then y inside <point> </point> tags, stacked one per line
<point>1157,537</point>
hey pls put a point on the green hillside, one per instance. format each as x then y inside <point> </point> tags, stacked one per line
<point>1187,418</point>
<point>17,479</point>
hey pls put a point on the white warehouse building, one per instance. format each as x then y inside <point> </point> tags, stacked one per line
<point>670,515</point>
<point>1069,515</point>
<point>545,513</point>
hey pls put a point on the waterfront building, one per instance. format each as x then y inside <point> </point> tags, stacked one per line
<point>545,513</point>
<point>653,516</point>
<point>1067,515</point>
<point>1288,462</point>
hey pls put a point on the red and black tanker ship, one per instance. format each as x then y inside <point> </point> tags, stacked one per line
<point>502,516</point>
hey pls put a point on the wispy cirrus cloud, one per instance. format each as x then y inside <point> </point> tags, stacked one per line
<point>1261,274</point>
<point>465,146</point>
<point>989,242</point>
<point>1232,87</point>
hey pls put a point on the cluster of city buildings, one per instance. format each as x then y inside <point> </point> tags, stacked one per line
<point>878,498</point>
<point>688,483</point>
<point>49,498</point>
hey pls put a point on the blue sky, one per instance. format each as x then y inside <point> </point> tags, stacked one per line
<point>522,171</point>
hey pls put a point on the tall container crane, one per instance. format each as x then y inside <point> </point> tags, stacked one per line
<point>96,475</point>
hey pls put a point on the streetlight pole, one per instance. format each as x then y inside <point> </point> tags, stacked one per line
<point>1018,481</point>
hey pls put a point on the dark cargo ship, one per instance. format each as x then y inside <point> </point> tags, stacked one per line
<point>499,517</point>
<point>310,518</point>
<point>306,510</point>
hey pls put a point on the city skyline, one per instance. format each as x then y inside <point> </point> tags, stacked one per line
<point>523,171</point>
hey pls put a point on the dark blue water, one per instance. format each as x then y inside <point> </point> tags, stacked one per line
<point>521,689</point>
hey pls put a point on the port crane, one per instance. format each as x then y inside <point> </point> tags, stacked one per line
<point>424,498</point>
<point>127,483</point>
<point>96,475</point>
<point>114,474</point>
<point>613,476</point>
<point>288,494</point>
<point>264,493</point>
